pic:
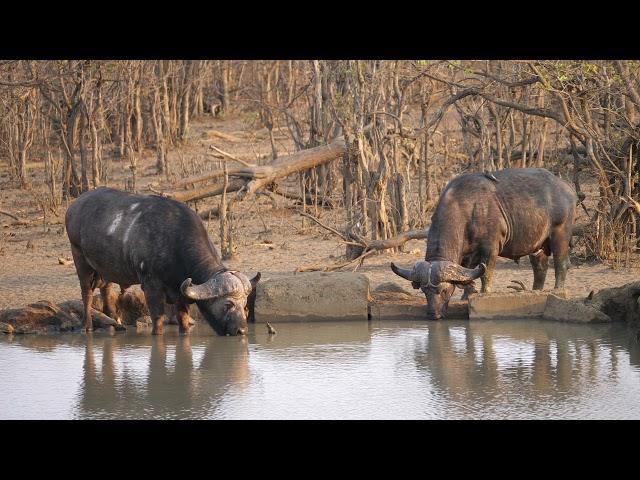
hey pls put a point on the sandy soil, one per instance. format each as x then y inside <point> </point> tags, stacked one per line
<point>270,240</point>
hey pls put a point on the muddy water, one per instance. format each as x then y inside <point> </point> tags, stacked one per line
<point>380,370</point>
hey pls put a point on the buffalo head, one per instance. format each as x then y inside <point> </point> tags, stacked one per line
<point>223,300</point>
<point>438,280</point>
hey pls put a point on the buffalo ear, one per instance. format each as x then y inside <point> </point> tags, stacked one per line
<point>254,281</point>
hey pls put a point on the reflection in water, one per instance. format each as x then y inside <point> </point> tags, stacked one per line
<point>533,369</point>
<point>482,369</point>
<point>159,376</point>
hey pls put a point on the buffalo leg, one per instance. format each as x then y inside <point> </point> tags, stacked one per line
<point>184,320</point>
<point>487,278</point>
<point>109,298</point>
<point>87,276</point>
<point>468,290</point>
<point>155,301</point>
<point>469,262</point>
<point>540,264</point>
<point>560,248</point>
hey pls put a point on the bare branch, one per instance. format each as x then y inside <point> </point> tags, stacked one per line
<point>333,230</point>
<point>231,157</point>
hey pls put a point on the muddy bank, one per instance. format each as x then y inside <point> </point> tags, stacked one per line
<point>618,303</point>
<point>285,300</point>
<point>44,317</point>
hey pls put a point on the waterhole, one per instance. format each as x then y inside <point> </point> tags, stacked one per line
<point>508,369</point>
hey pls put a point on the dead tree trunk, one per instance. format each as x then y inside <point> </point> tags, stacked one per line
<point>227,247</point>
<point>84,160</point>
<point>156,120</point>
<point>70,181</point>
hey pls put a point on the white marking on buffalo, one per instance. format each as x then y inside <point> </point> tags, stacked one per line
<point>114,224</point>
<point>134,206</point>
<point>128,231</point>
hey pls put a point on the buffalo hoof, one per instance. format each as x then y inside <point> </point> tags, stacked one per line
<point>185,331</point>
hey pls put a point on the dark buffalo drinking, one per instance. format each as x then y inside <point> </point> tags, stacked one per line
<point>123,239</point>
<point>510,213</point>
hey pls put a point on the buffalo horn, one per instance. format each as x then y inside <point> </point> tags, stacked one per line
<point>405,273</point>
<point>228,283</point>
<point>458,274</point>
<point>190,291</point>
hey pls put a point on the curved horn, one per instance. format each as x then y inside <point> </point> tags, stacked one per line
<point>403,272</point>
<point>254,281</point>
<point>455,273</point>
<point>225,283</point>
<point>191,292</point>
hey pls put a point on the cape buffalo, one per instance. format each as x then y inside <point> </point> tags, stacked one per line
<point>161,244</point>
<point>512,213</point>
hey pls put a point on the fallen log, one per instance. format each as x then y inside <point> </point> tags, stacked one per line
<point>297,162</point>
<point>39,314</point>
<point>218,173</point>
<point>199,178</point>
<point>100,320</point>
<point>44,315</point>
<point>47,317</point>
<point>398,240</point>
<point>205,192</point>
<point>256,177</point>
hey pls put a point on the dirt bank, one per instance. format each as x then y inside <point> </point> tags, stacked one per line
<point>270,240</point>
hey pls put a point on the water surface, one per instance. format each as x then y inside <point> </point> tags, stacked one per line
<point>378,370</point>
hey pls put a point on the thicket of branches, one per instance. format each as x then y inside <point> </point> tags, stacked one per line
<point>404,127</point>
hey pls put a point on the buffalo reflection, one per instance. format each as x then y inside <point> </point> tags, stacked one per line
<point>160,376</point>
<point>479,369</point>
<point>486,361</point>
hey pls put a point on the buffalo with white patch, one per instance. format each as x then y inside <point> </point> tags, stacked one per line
<point>161,244</point>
